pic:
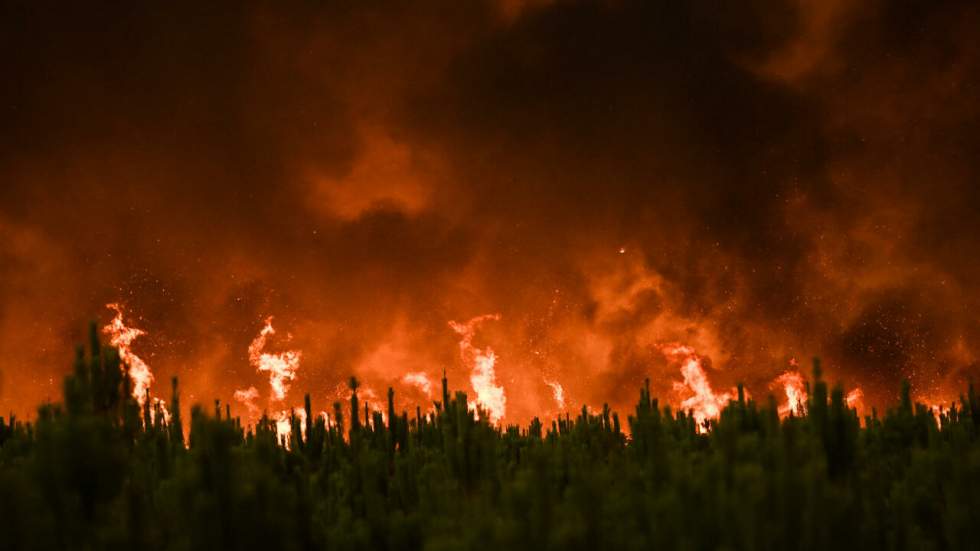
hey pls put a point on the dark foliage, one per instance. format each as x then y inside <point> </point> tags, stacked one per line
<point>99,472</point>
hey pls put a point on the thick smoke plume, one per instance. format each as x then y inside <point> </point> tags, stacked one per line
<point>763,182</point>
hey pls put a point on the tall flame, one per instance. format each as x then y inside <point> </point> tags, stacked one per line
<point>489,395</point>
<point>855,399</point>
<point>284,424</point>
<point>281,366</point>
<point>558,392</point>
<point>122,336</point>
<point>796,396</point>
<point>703,403</point>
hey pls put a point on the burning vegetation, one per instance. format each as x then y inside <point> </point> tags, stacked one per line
<point>103,470</point>
<point>318,211</point>
<point>691,390</point>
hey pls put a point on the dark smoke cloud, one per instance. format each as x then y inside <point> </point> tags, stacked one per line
<point>784,179</point>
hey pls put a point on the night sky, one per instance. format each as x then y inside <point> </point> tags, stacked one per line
<point>762,181</point>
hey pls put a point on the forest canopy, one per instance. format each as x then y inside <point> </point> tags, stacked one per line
<point>99,471</point>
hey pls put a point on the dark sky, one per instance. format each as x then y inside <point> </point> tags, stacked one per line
<point>764,181</point>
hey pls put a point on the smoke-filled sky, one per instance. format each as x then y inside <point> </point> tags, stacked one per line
<point>763,181</point>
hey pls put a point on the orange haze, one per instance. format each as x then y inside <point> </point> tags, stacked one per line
<point>550,201</point>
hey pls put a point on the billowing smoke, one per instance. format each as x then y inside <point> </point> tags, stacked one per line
<point>761,182</point>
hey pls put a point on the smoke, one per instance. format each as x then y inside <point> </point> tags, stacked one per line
<point>759,182</point>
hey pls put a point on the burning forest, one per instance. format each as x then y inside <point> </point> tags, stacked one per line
<point>402,275</point>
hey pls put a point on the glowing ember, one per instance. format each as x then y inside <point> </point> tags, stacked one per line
<point>558,392</point>
<point>121,336</point>
<point>281,366</point>
<point>794,386</point>
<point>489,395</point>
<point>703,403</point>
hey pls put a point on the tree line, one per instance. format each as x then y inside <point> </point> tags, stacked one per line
<point>98,471</point>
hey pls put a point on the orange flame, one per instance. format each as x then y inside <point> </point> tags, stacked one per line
<point>284,426</point>
<point>703,403</point>
<point>281,367</point>
<point>855,399</point>
<point>121,336</point>
<point>248,397</point>
<point>558,392</point>
<point>796,396</point>
<point>489,395</point>
<point>420,381</point>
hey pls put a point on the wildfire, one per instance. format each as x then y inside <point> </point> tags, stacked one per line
<point>694,390</point>
<point>284,426</point>
<point>420,381</point>
<point>558,392</point>
<point>249,397</point>
<point>703,402</point>
<point>121,336</point>
<point>795,388</point>
<point>281,366</point>
<point>489,395</point>
<point>855,399</point>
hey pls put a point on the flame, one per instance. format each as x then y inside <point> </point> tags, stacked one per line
<point>558,392</point>
<point>489,395</point>
<point>419,380</point>
<point>937,405</point>
<point>121,336</point>
<point>796,396</point>
<point>704,404</point>
<point>161,406</point>
<point>284,426</point>
<point>248,397</point>
<point>281,367</point>
<point>855,399</point>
